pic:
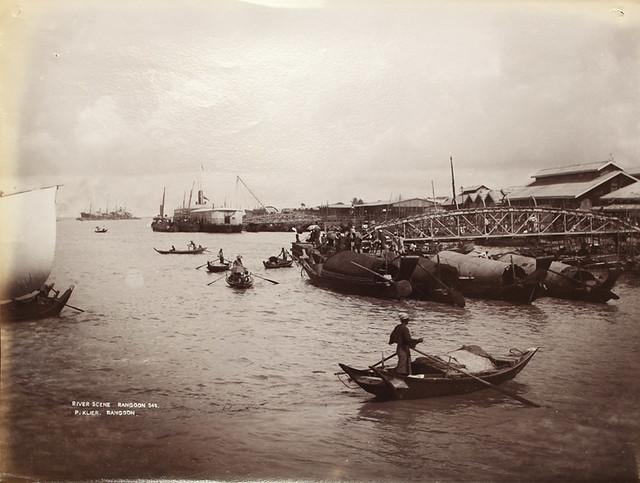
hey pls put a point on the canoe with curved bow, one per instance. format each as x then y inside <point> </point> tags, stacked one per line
<point>434,376</point>
<point>195,251</point>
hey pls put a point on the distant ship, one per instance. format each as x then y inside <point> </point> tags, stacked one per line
<point>118,214</point>
<point>200,218</point>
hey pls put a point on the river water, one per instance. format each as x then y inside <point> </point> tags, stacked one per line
<point>244,381</point>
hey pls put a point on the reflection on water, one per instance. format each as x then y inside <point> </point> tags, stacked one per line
<point>245,382</point>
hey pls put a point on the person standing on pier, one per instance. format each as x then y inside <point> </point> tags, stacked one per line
<point>402,337</point>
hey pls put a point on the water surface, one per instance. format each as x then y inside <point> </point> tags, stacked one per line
<point>245,386</point>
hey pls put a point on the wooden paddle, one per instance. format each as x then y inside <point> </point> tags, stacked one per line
<point>74,308</point>
<point>267,279</point>
<point>376,364</point>
<point>403,287</point>
<point>220,278</point>
<point>197,268</point>
<point>486,383</point>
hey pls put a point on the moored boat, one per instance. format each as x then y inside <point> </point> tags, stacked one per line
<point>492,279</point>
<point>570,282</point>
<point>195,251</point>
<point>434,377</point>
<point>355,273</point>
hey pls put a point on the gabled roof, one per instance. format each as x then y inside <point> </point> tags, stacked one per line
<point>630,192</point>
<point>473,189</point>
<point>574,169</point>
<point>495,195</point>
<point>564,190</point>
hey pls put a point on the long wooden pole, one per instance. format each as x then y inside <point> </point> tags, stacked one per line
<point>486,383</point>
<point>453,182</point>
<point>456,297</point>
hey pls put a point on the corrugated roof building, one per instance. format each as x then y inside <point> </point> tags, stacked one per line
<point>574,186</point>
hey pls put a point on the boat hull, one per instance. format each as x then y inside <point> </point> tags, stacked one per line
<point>278,264</point>
<point>356,285</point>
<point>35,307</point>
<point>197,251</point>
<point>411,387</point>
<point>244,282</point>
<point>217,267</point>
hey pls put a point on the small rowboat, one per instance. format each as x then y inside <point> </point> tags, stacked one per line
<point>196,251</point>
<point>101,230</point>
<point>239,280</point>
<point>35,307</point>
<point>434,376</point>
<point>218,266</point>
<point>275,262</point>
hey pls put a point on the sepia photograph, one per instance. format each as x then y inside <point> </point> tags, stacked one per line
<point>319,240</point>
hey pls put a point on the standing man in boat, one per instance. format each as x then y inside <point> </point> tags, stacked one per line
<point>221,256</point>
<point>402,337</point>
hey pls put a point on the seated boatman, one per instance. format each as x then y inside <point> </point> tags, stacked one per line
<point>402,337</point>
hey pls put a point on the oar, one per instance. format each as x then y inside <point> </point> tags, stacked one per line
<point>220,278</point>
<point>267,279</point>
<point>456,297</point>
<point>486,383</point>
<point>372,272</point>
<point>383,360</point>
<point>75,308</point>
<point>376,364</point>
<point>403,287</point>
<point>197,268</point>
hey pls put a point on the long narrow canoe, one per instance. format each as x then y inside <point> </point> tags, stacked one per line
<point>432,380</point>
<point>197,251</point>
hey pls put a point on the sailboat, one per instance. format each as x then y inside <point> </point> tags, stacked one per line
<point>27,249</point>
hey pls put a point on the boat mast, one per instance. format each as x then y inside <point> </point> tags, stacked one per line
<point>191,194</point>
<point>162,205</point>
<point>453,182</point>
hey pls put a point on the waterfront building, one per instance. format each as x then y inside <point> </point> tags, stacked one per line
<point>478,196</point>
<point>577,186</point>
<point>624,202</point>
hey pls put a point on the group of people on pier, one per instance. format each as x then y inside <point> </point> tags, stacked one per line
<point>337,239</point>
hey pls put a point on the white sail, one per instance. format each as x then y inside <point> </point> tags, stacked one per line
<point>27,240</point>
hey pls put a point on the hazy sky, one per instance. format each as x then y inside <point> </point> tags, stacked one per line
<point>310,101</point>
